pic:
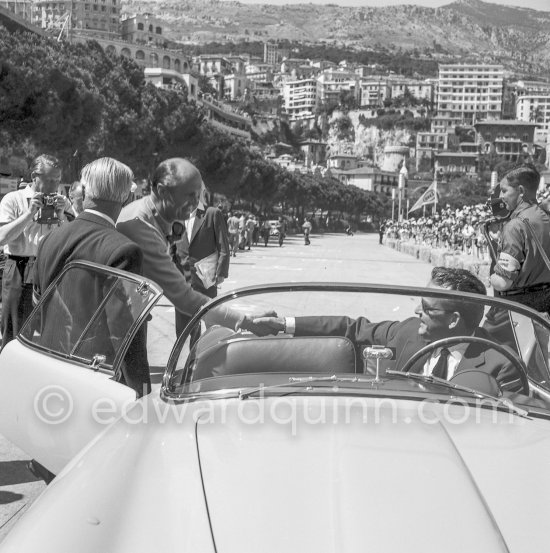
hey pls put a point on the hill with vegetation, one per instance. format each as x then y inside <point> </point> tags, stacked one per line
<point>466,29</point>
<point>78,102</point>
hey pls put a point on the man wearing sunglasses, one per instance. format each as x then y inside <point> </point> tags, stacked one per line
<point>437,318</point>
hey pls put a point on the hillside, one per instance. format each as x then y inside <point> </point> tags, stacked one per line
<point>471,29</point>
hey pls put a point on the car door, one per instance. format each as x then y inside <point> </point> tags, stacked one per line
<point>58,379</point>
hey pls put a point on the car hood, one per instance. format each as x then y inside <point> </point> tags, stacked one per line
<point>377,475</point>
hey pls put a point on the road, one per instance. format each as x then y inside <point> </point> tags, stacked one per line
<point>330,257</point>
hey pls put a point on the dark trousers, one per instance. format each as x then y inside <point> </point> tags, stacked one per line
<point>16,296</point>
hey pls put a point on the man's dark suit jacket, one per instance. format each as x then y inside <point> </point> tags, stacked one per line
<point>209,235</point>
<point>404,337</point>
<point>91,238</point>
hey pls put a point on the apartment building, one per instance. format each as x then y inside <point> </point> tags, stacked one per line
<point>534,108</point>
<point>300,98</point>
<point>271,53</point>
<point>508,139</point>
<point>372,91</point>
<point>532,103</point>
<point>421,90</point>
<point>101,16</point>
<point>332,82</point>
<point>235,85</point>
<point>470,92</point>
<point>143,28</point>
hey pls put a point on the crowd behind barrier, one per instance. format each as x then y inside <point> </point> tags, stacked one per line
<point>458,230</point>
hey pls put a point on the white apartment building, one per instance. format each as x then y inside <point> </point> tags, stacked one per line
<point>332,82</point>
<point>470,92</point>
<point>421,90</point>
<point>534,108</point>
<point>300,98</point>
<point>235,85</point>
<point>372,92</point>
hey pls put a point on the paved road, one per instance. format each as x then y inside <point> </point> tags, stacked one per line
<point>330,257</point>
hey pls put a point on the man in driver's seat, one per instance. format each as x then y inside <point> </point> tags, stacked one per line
<point>437,318</point>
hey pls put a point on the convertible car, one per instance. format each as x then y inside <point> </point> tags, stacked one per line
<point>329,435</point>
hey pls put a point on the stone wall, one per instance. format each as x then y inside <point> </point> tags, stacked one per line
<point>442,257</point>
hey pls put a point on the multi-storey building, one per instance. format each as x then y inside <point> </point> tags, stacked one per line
<point>534,108</point>
<point>271,53</point>
<point>22,8</point>
<point>532,103</point>
<point>143,28</point>
<point>470,92</point>
<point>508,139</point>
<point>421,90</point>
<point>444,124</point>
<point>372,91</point>
<point>235,85</point>
<point>331,83</point>
<point>371,179</point>
<point>100,16</point>
<point>212,65</point>
<point>300,99</point>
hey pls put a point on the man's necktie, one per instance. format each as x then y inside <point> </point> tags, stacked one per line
<point>440,369</point>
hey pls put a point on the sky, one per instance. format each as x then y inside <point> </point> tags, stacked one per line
<point>542,5</point>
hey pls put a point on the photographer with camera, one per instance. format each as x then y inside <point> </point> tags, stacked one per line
<point>26,215</point>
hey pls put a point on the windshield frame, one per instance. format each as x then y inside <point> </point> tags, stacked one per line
<point>396,290</point>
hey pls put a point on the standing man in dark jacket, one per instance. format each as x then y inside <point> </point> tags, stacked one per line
<point>203,252</point>
<point>92,237</point>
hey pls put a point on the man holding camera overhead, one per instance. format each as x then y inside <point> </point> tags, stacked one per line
<point>26,215</point>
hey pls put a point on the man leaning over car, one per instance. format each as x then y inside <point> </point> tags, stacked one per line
<point>175,192</point>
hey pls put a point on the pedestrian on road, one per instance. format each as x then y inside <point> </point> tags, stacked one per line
<point>381,231</point>
<point>233,229</point>
<point>281,227</point>
<point>307,230</point>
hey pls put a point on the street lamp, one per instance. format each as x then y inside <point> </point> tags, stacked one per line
<point>393,205</point>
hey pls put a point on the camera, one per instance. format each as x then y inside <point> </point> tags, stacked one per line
<point>49,199</point>
<point>496,205</point>
<point>46,214</point>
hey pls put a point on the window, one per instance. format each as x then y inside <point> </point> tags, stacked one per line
<point>158,30</point>
<point>140,26</point>
<point>69,327</point>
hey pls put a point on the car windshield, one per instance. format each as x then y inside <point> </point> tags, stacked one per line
<point>357,339</point>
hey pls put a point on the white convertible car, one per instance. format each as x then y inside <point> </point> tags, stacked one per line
<point>329,437</point>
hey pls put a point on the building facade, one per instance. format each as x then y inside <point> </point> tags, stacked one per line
<point>470,92</point>
<point>143,28</point>
<point>510,140</point>
<point>300,99</point>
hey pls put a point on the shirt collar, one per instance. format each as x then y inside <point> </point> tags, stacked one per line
<point>99,214</point>
<point>522,206</point>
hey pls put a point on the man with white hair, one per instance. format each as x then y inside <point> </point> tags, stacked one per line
<point>92,237</point>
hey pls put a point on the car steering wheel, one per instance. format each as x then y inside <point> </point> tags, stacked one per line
<point>516,361</point>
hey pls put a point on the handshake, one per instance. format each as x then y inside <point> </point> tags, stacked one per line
<point>262,324</point>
